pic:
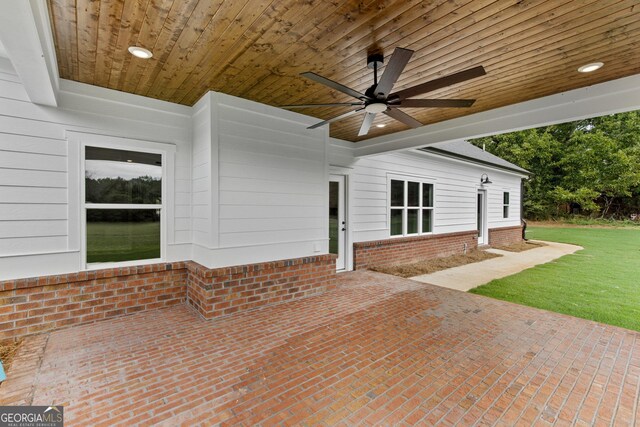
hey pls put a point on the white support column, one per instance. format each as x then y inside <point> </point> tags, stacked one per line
<point>21,24</point>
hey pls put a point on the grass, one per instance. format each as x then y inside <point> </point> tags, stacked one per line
<point>580,221</point>
<point>436,264</point>
<point>112,242</point>
<point>600,283</point>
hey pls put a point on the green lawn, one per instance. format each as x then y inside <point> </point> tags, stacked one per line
<point>601,282</point>
<point>112,241</point>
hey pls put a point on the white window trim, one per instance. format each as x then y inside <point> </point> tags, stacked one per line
<point>413,178</point>
<point>507,205</point>
<point>77,206</point>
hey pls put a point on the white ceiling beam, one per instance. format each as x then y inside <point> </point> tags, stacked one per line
<point>22,27</point>
<point>615,96</point>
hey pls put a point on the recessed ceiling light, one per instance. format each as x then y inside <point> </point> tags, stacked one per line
<point>381,125</point>
<point>590,67</point>
<point>140,52</point>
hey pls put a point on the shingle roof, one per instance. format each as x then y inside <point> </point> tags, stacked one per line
<point>469,152</point>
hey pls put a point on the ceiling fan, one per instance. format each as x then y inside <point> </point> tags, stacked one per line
<point>379,98</point>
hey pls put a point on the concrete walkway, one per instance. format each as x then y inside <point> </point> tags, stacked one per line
<point>473,275</point>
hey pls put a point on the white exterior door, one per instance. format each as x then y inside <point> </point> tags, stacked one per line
<point>483,237</point>
<point>337,220</point>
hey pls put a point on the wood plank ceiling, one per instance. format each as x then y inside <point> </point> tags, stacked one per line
<point>255,49</point>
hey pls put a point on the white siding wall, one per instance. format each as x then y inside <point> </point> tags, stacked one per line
<point>272,189</point>
<point>201,172</point>
<point>35,208</point>
<point>250,180</point>
<point>455,183</point>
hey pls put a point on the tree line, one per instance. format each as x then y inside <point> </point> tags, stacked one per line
<point>587,167</point>
<point>140,190</point>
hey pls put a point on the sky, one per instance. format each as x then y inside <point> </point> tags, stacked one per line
<point>97,169</point>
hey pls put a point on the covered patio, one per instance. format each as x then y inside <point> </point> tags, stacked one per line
<point>378,350</point>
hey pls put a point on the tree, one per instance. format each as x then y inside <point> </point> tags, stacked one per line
<point>588,165</point>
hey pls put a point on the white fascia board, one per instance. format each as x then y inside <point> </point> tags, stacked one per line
<point>612,97</point>
<point>76,90</point>
<point>455,159</point>
<point>25,34</point>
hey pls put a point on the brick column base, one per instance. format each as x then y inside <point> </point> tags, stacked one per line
<point>222,291</point>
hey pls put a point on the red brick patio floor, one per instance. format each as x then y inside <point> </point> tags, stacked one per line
<point>379,350</point>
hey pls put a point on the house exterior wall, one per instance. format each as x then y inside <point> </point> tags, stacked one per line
<point>456,184</point>
<point>39,165</point>
<point>246,203</point>
<point>264,176</point>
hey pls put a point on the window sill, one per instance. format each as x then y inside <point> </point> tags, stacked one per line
<point>104,265</point>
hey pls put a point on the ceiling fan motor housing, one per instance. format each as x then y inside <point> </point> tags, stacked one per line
<point>375,60</point>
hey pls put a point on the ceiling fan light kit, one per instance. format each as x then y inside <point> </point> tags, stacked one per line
<point>378,98</point>
<point>376,107</point>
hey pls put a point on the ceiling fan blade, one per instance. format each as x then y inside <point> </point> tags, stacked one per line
<point>366,123</point>
<point>434,103</point>
<point>403,117</point>
<point>432,85</point>
<point>392,71</point>
<point>335,104</point>
<point>335,119</point>
<point>333,85</point>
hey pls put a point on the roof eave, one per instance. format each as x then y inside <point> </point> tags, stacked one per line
<point>445,153</point>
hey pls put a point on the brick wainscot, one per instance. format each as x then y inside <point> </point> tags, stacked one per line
<point>505,235</point>
<point>405,250</point>
<point>33,305</point>
<point>221,291</point>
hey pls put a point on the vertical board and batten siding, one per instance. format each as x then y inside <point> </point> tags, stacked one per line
<point>35,193</point>
<point>455,183</point>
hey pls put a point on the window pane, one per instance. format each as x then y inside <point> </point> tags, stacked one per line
<point>333,217</point>
<point>413,196</point>
<point>505,198</point>
<point>122,234</point>
<point>505,212</point>
<point>427,220</point>
<point>412,221</point>
<point>396,222</point>
<point>397,193</point>
<point>427,195</point>
<point>119,176</point>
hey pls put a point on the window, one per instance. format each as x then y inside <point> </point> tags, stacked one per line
<point>123,205</point>
<point>411,207</point>
<point>505,204</point>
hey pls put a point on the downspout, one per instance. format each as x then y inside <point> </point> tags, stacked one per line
<point>522,220</point>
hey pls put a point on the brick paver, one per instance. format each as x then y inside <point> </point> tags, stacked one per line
<point>379,350</point>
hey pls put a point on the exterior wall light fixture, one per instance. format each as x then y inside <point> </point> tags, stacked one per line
<point>484,179</point>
